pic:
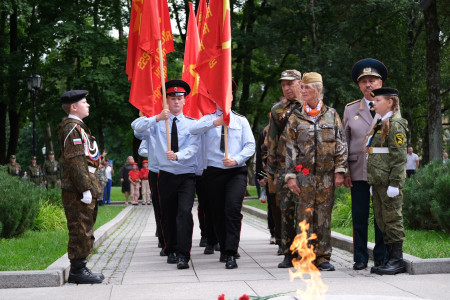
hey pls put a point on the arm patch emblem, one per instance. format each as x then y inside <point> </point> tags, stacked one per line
<point>399,139</point>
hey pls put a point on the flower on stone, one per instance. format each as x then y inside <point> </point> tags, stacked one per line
<point>221,297</point>
<point>244,297</point>
<point>298,168</point>
<point>305,171</point>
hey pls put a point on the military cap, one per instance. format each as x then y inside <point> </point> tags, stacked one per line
<point>177,87</point>
<point>369,67</point>
<point>51,152</point>
<point>73,96</point>
<point>311,77</point>
<point>12,156</point>
<point>33,158</point>
<point>134,164</point>
<point>145,161</point>
<point>290,75</point>
<point>385,91</point>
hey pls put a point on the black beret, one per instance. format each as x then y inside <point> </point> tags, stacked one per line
<point>73,96</point>
<point>177,87</point>
<point>385,91</point>
<point>369,66</point>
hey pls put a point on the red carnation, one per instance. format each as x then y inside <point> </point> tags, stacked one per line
<point>221,297</point>
<point>298,168</point>
<point>305,171</point>
<point>244,297</point>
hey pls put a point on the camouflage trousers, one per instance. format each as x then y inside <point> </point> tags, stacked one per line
<point>52,181</point>
<point>315,205</point>
<point>80,222</point>
<point>286,200</point>
<point>388,213</point>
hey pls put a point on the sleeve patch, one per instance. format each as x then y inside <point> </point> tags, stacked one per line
<point>77,141</point>
<point>399,139</point>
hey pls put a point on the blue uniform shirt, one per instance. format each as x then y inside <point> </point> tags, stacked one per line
<point>188,144</point>
<point>147,149</point>
<point>241,143</point>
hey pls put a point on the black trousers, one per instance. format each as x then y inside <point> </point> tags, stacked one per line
<point>176,194</point>
<point>205,214</point>
<point>153,180</point>
<point>410,173</point>
<point>225,190</point>
<point>360,193</point>
<point>201,208</point>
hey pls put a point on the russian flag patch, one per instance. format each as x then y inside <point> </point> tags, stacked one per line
<point>77,141</point>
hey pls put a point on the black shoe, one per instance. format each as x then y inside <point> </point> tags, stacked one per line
<point>223,257</point>
<point>182,263</point>
<point>359,266</point>
<point>237,256</point>
<point>395,264</point>
<point>325,266</point>
<point>202,241</point>
<point>209,249</point>
<point>217,247</point>
<point>80,274</point>
<point>171,258</point>
<point>378,263</point>
<point>280,250</point>
<point>231,262</point>
<point>287,262</point>
<point>162,253</point>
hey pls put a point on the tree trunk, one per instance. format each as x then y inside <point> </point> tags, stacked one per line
<point>3,158</point>
<point>433,81</point>
<point>3,106</point>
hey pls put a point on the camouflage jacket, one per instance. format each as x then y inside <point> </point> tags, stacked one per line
<point>388,168</point>
<point>12,169</point>
<point>275,141</point>
<point>51,168</point>
<point>79,157</point>
<point>101,175</point>
<point>319,147</point>
<point>34,171</point>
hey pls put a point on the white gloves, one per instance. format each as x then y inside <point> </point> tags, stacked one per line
<point>370,190</point>
<point>392,191</point>
<point>87,197</point>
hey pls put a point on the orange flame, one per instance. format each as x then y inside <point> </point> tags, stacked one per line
<point>315,288</point>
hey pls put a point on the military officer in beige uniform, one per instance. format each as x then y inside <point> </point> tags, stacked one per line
<point>359,116</point>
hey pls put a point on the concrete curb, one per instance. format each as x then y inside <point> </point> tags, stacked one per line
<point>414,265</point>
<point>58,272</point>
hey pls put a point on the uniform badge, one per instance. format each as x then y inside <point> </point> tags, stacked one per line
<point>399,139</point>
<point>175,89</point>
<point>77,141</point>
<point>356,117</point>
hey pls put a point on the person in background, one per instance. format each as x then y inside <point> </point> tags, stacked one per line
<point>445,157</point>
<point>412,162</point>
<point>52,172</point>
<point>101,176</point>
<point>109,170</point>
<point>386,148</point>
<point>143,175</point>
<point>135,180</point>
<point>125,179</point>
<point>34,172</point>
<point>13,166</point>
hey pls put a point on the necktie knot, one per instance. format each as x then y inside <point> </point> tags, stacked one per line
<point>372,109</point>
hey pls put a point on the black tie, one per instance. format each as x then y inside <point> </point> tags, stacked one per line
<point>372,110</point>
<point>174,136</point>
<point>222,140</point>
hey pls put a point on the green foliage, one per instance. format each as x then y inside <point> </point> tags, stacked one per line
<point>52,196</point>
<point>342,209</point>
<point>426,198</point>
<point>19,205</point>
<point>50,217</point>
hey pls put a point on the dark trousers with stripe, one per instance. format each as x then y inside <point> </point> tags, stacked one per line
<point>153,178</point>
<point>176,195</point>
<point>360,193</point>
<point>225,190</point>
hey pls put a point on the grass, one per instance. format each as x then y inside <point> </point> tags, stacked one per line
<point>36,250</point>
<point>256,203</point>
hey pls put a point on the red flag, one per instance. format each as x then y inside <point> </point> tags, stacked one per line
<point>197,102</point>
<point>201,17</point>
<point>214,60</point>
<point>133,36</point>
<point>145,92</point>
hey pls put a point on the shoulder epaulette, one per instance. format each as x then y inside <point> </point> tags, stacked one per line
<point>237,114</point>
<point>357,101</point>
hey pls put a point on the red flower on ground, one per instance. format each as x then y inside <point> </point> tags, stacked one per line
<point>221,297</point>
<point>244,297</point>
<point>305,171</point>
<point>298,168</point>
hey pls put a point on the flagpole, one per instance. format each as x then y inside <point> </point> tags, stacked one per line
<point>163,87</point>
<point>225,132</point>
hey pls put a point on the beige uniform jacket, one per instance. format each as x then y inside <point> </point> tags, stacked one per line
<point>357,123</point>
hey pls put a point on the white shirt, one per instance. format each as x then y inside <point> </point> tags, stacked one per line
<point>411,161</point>
<point>108,172</point>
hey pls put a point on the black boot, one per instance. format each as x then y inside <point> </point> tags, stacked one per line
<point>378,264</point>
<point>80,274</point>
<point>395,264</point>
<point>287,262</point>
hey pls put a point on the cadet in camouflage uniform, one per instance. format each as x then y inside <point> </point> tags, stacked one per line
<point>34,172</point>
<point>276,152</point>
<point>52,174</point>
<point>80,187</point>
<point>386,164</point>
<point>13,166</point>
<point>102,179</point>
<point>316,160</point>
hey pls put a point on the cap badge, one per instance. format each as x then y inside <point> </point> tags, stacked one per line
<point>367,70</point>
<point>175,89</point>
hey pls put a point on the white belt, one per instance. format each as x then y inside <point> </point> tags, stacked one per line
<point>378,150</point>
<point>91,169</point>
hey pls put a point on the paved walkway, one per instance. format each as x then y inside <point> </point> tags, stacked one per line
<point>130,261</point>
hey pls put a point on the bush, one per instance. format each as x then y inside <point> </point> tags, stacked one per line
<point>19,204</point>
<point>426,198</point>
<point>50,217</point>
<point>342,209</point>
<point>53,196</point>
